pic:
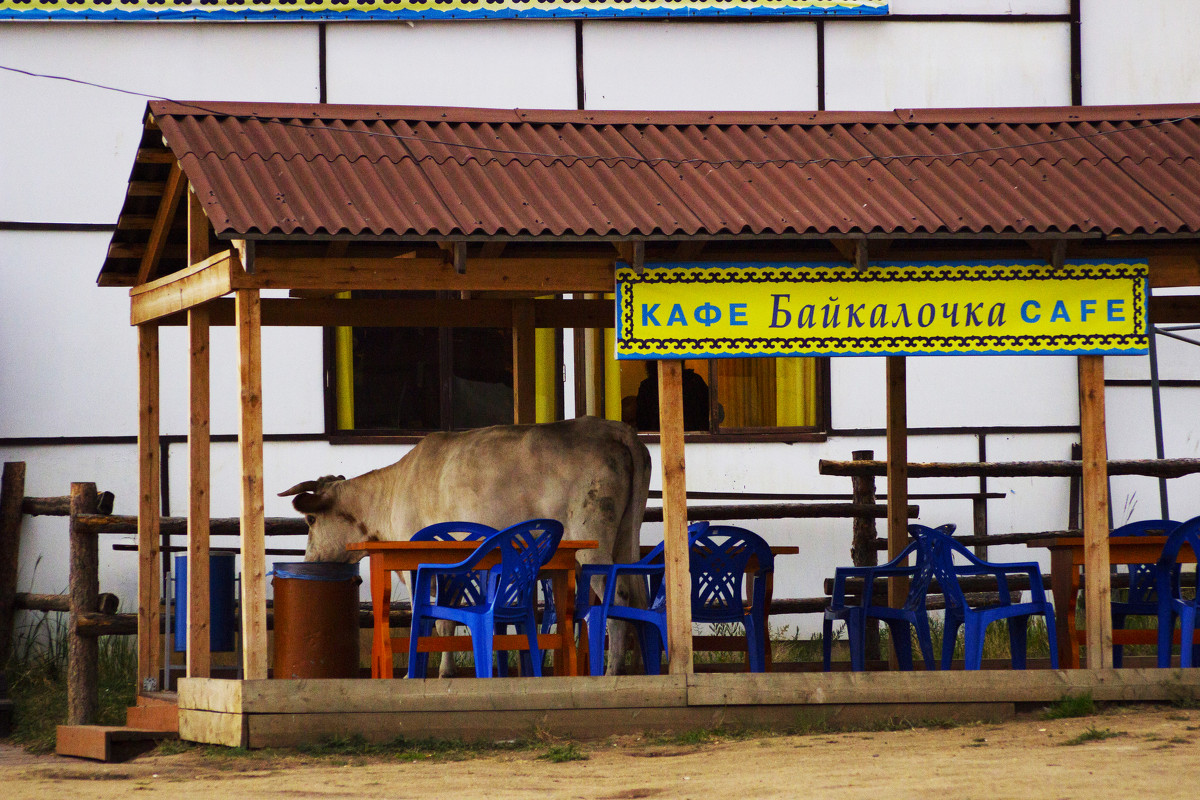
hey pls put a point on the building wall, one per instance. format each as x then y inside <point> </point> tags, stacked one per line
<point>67,356</point>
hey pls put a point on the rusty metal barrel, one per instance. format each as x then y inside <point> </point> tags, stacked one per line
<point>316,619</point>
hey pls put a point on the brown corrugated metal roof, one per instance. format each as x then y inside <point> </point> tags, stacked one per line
<point>368,171</point>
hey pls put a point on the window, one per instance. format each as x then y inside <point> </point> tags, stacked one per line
<point>732,395</point>
<point>411,380</point>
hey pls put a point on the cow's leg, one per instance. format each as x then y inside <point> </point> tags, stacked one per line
<point>631,591</point>
<point>446,667</point>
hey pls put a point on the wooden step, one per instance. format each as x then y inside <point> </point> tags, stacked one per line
<point>107,742</point>
<point>156,712</point>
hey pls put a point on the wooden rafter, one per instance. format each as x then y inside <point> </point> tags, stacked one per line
<point>176,183</point>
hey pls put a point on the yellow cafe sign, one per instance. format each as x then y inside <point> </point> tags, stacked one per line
<point>729,310</point>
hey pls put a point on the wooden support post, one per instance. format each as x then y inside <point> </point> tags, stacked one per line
<point>254,580</point>
<point>674,489</point>
<point>83,689</point>
<point>12,493</point>
<point>897,471</point>
<point>979,506</point>
<point>580,370</point>
<point>593,358</point>
<point>862,549</point>
<point>199,659</point>
<point>524,363</point>
<point>1097,592</point>
<point>149,511</point>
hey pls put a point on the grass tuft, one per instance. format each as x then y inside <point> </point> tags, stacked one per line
<point>560,753</point>
<point>1070,706</point>
<point>37,678</point>
<point>1092,734</point>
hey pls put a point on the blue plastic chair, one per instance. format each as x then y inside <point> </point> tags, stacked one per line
<point>457,590</point>
<point>510,597</point>
<point>1171,603</point>
<point>650,623</point>
<point>464,590</point>
<point>1143,595</point>
<point>913,613</point>
<point>719,559</point>
<point>940,550</point>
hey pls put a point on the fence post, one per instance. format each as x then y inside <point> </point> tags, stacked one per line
<point>83,701</point>
<point>863,551</point>
<point>12,492</point>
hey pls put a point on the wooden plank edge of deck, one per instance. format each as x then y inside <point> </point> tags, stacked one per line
<point>590,708</point>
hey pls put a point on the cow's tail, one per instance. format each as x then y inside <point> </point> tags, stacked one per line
<point>630,529</point>
<point>629,534</point>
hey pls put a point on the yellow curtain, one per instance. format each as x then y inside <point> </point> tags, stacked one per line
<point>545,372</point>
<point>612,375</point>
<point>746,391</point>
<point>796,391</point>
<point>344,372</point>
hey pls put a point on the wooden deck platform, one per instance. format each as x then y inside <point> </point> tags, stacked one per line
<point>283,713</point>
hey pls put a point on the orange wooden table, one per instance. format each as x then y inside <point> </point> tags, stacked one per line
<point>389,557</point>
<point>1066,578</point>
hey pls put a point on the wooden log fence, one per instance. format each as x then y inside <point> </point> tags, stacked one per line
<point>1164,468</point>
<point>90,513</point>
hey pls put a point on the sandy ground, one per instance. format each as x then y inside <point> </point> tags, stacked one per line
<point>1151,752</point>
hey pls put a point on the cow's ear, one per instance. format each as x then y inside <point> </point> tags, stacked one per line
<point>309,503</point>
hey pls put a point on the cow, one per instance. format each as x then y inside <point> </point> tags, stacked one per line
<point>593,475</point>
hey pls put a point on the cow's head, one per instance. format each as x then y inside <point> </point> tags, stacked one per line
<point>330,528</point>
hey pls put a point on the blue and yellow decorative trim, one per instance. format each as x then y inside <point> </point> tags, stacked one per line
<point>275,10</point>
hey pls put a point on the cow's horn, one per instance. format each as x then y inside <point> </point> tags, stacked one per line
<point>313,486</point>
<point>304,486</point>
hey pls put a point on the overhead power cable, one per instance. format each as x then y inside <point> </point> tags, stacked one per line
<point>623,159</point>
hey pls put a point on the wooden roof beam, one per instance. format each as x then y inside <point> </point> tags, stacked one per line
<point>152,155</point>
<point>457,254</point>
<point>215,276</point>
<point>1052,251</point>
<point>853,250</point>
<point>172,194</point>
<point>549,275</point>
<point>423,313</point>
<point>633,252</point>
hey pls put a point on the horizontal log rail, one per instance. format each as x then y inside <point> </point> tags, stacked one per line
<point>1000,538</point>
<point>92,624</point>
<point>968,583</point>
<point>296,526</point>
<point>27,601</point>
<point>784,511</point>
<point>61,506</point>
<point>177,526</point>
<point>655,494</point>
<point>1155,468</point>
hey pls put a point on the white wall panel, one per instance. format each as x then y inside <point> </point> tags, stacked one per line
<point>292,380</point>
<point>1142,52</point>
<point>483,64</point>
<point>700,65</point>
<point>1030,504</point>
<point>900,7</point>
<point>66,150</point>
<point>857,389</point>
<point>881,65</point>
<point>68,356</point>
<point>992,390</point>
